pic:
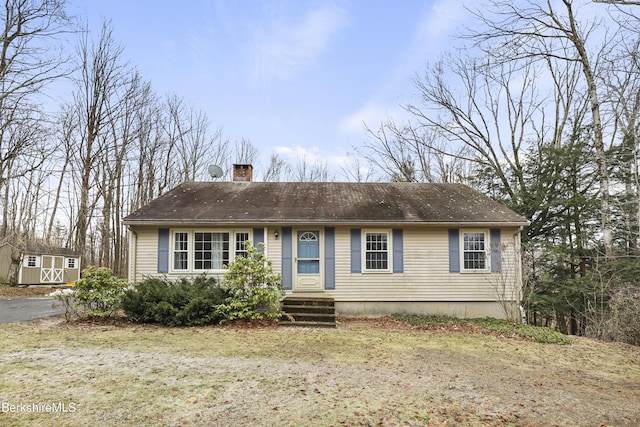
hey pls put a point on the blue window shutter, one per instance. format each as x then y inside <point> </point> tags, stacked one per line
<point>287,258</point>
<point>163,250</point>
<point>454,250</point>
<point>356,251</point>
<point>329,258</point>
<point>258,237</point>
<point>398,251</point>
<point>496,250</point>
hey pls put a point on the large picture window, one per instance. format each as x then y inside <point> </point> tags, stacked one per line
<point>474,250</point>
<point>207,250</point>
<point>376,251</point>
<point>211,251</point>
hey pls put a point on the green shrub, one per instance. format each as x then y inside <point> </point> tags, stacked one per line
<point>249,290</point>
<point>98,292</point>
<point>65,297</point>
<point>186,302</point>
<point>254,290</point>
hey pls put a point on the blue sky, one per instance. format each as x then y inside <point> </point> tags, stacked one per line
<point>293,77</point>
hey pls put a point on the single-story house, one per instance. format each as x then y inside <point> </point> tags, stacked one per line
<point>375,248</point>
<point>37,264</point>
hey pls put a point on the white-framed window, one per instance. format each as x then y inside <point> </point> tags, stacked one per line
<point>180,251</point>
<point>72,263</point>
<point>377,250</point>
<point>33,261</point>
<point>205,250</point>
<point>241,243</point>
<point>211,250</point>
<point>475,250</point>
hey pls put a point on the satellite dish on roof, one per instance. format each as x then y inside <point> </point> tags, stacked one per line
<point>215,171</point>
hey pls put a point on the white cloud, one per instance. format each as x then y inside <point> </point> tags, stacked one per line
<point>372,115</point>
<point>284,49</point>
<point>434,33</point>
<point>299,152</point>
<point>442,20</point>
<point>311,155</point>
<point>430,37</point>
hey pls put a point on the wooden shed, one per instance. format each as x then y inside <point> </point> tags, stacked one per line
<point>38,265</point>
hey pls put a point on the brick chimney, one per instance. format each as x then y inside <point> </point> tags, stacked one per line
<point>243,173</point>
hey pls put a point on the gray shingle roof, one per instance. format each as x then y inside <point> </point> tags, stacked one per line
<point>36,248</point>
<point>326,202</point>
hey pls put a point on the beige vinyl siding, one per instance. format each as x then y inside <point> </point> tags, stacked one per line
<point>5,263</point>
<point>274,248</point>
<point>30,275</point>
<point>426,275</point>
<point>145,245</point>
<point>71,274</point>
<point>146,249</point>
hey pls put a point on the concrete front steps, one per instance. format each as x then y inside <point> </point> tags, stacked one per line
<point>310,312</point>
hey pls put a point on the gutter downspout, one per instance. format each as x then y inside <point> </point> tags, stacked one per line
<point>133,255</point>
<point>518,270</point>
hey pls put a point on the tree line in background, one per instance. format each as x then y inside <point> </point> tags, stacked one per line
<point>540,110</point>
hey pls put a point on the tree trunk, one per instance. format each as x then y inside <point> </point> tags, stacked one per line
<point>601,156</point>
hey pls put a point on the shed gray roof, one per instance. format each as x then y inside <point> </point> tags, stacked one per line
<point>36,248</point>
<point>322,203</point>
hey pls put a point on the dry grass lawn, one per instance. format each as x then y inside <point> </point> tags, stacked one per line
<point>362,373</point>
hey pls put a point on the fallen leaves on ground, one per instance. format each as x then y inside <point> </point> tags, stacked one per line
<point>15,292</point>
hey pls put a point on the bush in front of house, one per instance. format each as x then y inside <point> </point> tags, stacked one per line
<point>185,302</point>
<point>254,290</point>
<point>248,290</point>
<point>98,292</point>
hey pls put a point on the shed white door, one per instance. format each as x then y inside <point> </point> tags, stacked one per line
<point>308,269</point>
<point>51,269</point>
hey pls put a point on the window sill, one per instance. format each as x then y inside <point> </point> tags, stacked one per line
<point>222,271</point>
<point>485,271</point>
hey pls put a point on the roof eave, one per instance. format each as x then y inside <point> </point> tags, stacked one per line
<point>191,222</point>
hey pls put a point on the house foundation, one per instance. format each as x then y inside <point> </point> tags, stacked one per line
<point>457,309</point>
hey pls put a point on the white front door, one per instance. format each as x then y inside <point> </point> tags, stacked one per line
<point>308,268</point>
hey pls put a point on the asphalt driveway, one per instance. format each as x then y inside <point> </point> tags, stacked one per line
<point>23,310</point>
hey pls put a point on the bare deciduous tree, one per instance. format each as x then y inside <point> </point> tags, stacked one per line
<point>188,144</point>
<point>623,96</point>
<point>103,75</point>
<point>23,144</point>
<point>356,171</point>
<point>27,65</point>
<point>305,171</point>
<point>413,154</point>
<point>119,137</point>
<point>65,131</point>
<point>245,152</point>
<point>275,168</point>
<point>480,112</point>
<point>537,31</point>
